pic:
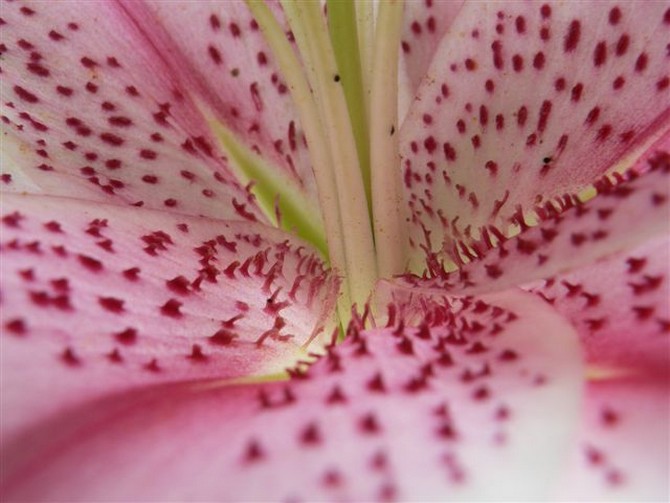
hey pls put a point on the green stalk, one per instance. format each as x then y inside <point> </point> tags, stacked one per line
<point>342,26</point>
<point>390,226</point>
<point>365,31</point>
<point>306,20</point>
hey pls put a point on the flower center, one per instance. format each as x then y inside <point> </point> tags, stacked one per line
<point>342,75</point>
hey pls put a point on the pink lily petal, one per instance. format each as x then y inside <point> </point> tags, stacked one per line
<point>620,308</point>
<point>93,108</point>
<point>526,102</point>
<point>222,56</point>
<point>623,450</point>
<point>98,298</point>
<point>425,23</point>
<point>447,411</point>
<point>623,215</point>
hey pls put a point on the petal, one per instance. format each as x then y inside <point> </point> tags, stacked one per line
<point>395,413</point>
<point>625,213</point>
<point>620,308</point>
<point>101,104</point>
<point>425,23</point>
<point>223,58</point>
<point>526,102</point>
<point>100,298</point>
<point>623,450</point>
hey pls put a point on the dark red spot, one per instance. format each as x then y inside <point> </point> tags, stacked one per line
<point>172,309</point>
<point>152,366</point>
<point>615,16</point>
<point>482,393</point>
<point>196,354</point>
<point>25,95</point>
<point>127,336</point>
<point>64,91</point>
<point>150,155</point>
<point>111,139</point>
<point>641,62</point>
<point>222,337</point>
<point>604,132</point>
<point>112,304</point>
<point>70,358</point>
<point>16,326</point>
<point>498,61</point>
<point>544,33</point>
<point>179,285</point>
<point>310,435</point>
<point>545,11</point>
<point>214,54</point>
<point>545,111</point>
<point>88,62</point>
<point>517,63</point>
<point>520,23</point>
<point>55,36</point>
<point>449,152</point>
<point>483,115</point>
<point>430,144</point>
<point>576,93</point>
<point>508,356</point>
<point>572,36</point>
<point>119,121</point>
<point>368,424</point>
<point>600,54</point>
<point>593,115</point>
<point>521,116</point>
<point>538,61</point>
<point>460,125</point>
<point>444,90</point>
<point>90,263</point>
<point>622,45</point>
<point>37,69</point>
<point>254,452</point>
<point>114,356</point>
<point>609,417</point>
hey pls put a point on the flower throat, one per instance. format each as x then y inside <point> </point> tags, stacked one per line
<point>343,83</point>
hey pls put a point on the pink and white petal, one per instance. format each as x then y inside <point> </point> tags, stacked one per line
<point>223,58</point>
<point>99,298</point>
<point>424,25</point>
<point>473,404</point>
<point>91,109</point>
<point>623,452</point>
<point>620,309</point>
<point>623,215</point>
<point>526,102</point>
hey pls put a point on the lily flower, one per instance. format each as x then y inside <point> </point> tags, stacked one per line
<point>274,252</point>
